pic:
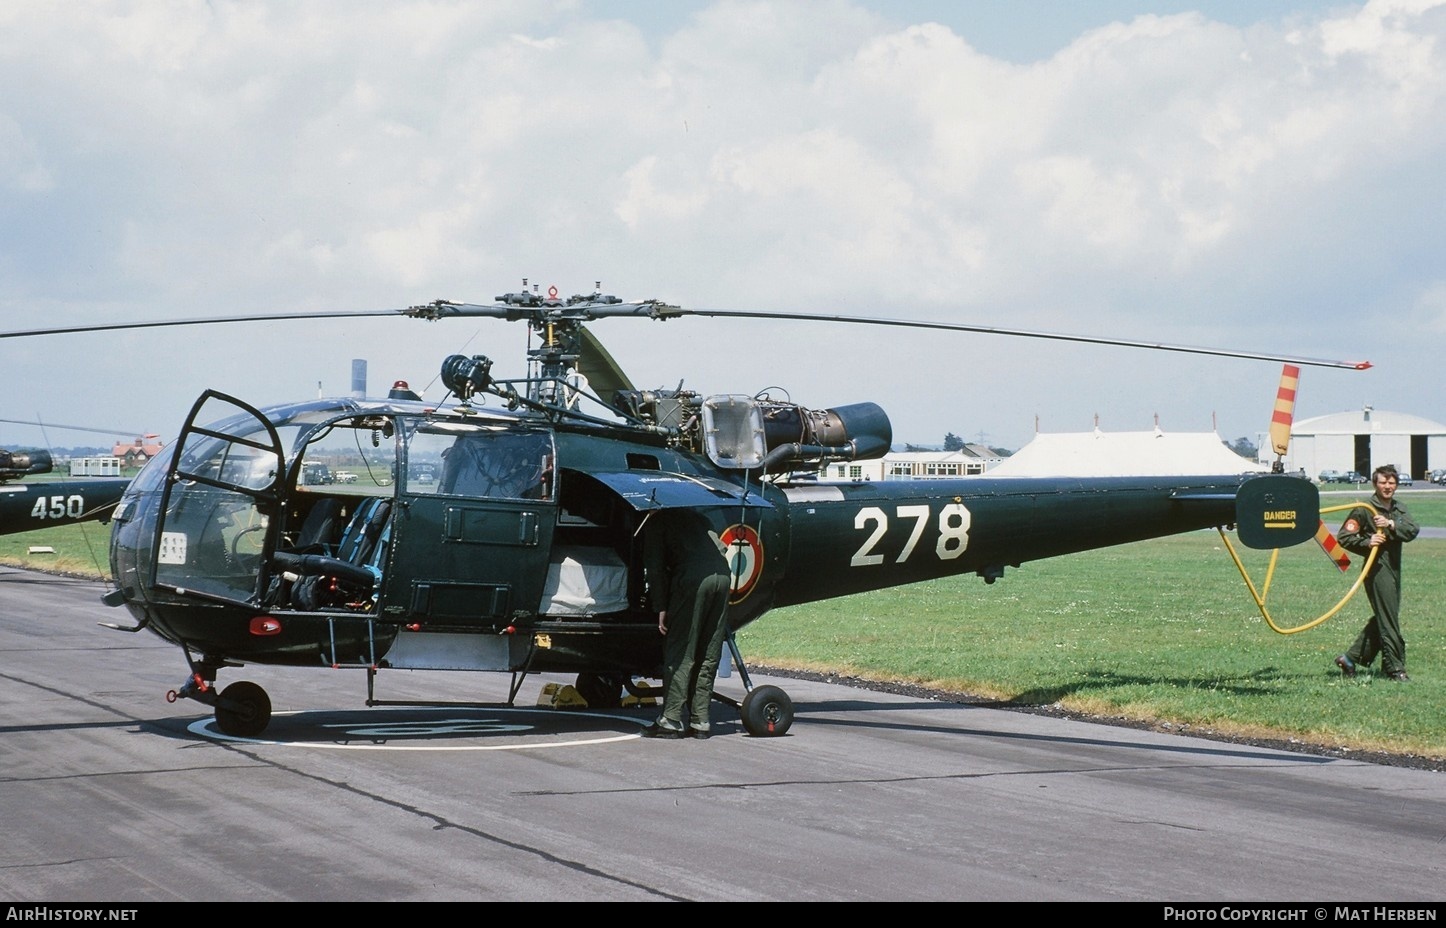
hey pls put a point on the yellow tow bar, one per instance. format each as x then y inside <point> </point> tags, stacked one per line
<point>1260,596</point>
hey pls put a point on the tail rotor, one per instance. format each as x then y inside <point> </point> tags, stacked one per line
<point>1283,416</point>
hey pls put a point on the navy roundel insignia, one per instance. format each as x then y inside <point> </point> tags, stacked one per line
<point>745,558</point>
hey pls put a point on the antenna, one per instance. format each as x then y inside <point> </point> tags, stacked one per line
<point>358,378</point>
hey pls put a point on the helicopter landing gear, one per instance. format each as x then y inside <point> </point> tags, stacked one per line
<point>767,712</point>
<point>600,692</point>
<point>243,710</point>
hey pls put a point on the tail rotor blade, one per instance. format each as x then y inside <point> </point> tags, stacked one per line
<point>1284,414</point>
<point>1332,548</point>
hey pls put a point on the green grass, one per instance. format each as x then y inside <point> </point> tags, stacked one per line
<point>82,549</point>
<point>1428,507</point>
<point>1163,630</point>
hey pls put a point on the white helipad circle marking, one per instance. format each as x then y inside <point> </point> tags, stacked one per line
<point>205,728</point>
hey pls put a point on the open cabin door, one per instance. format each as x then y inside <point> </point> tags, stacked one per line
<point>219,499</point>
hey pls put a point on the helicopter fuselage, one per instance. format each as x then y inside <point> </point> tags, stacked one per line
<point>482,541</point>
<point>30,505</point>
<point>491,540</point>
<point>388,533</point>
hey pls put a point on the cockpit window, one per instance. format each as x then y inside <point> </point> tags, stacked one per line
<point>351,456</point>
<point>488,462</point>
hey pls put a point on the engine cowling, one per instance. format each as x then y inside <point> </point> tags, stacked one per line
<point>744,433</point>
<point>21,463</point>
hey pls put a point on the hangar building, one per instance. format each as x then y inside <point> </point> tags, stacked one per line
<point>1363,440</point>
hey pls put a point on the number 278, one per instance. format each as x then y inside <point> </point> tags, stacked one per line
<point>953,524</point>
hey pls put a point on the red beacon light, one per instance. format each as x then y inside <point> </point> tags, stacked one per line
<point>401,390</point>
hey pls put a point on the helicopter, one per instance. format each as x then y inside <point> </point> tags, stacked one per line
<point>499,530</point>
<point>27,505</point>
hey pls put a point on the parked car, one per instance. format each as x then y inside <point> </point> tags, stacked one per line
<point>1332,476</point>
<point>1404,479</point>
<point>314,474</point>
<point>1353,477</point>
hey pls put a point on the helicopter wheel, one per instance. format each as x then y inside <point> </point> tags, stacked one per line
<point>599,691</point>
<point>243,710</point>
<point>767,712</point>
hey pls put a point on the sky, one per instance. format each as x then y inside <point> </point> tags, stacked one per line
<point>1263,177</point>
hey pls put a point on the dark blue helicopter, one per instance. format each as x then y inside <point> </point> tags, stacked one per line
<point>390,533</point>
<point>28,505</point>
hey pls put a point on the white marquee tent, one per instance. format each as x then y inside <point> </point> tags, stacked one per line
<point>1124,454</point>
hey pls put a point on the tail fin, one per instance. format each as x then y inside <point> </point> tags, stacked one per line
<point>1273,511</point>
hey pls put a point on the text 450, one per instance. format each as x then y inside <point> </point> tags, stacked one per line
<point>58,507</point>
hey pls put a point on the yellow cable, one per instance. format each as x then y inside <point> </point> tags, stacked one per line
<point>1260,596</point>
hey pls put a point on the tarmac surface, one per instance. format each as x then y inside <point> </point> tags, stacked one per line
<point>111,794</point>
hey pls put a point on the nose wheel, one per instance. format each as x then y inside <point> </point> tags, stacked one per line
<point>243,710</point>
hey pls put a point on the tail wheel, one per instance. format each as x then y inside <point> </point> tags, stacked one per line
<point>243,710</point>
<point>767,712</point>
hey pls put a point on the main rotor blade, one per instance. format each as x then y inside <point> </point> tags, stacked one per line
<point>1024,333</point>
<point>160,323</point>
<point>72,428</point>
<point>659,310</point>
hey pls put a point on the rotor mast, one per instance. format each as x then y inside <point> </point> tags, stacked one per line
<point>558,324</point>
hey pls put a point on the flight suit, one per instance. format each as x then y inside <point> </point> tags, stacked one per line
<point>1382,634</point>
<point>688,576</point>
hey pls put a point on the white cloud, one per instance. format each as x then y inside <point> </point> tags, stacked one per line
<point>1169,177</point>
<point>21,168</point>
<point>1429,311</point>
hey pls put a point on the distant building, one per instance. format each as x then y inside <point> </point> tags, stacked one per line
<point>137,453</point>
<point>916,465</point>
<point>95,467</point>
<point>1364,439</point>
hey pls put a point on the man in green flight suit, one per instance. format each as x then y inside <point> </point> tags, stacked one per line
<point>1389,527</point>
<point>688,584</point>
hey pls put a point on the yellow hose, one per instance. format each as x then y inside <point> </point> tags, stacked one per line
<point>1264,591</point>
